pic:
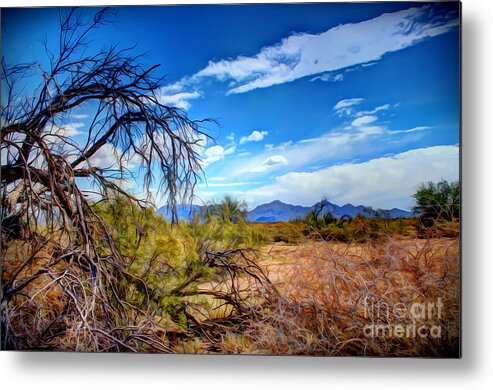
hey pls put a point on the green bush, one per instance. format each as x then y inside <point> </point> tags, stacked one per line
<point>228,209</point>
<point>437,202</point>
<point>169,259</point>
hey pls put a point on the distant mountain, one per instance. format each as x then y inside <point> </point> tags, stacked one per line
<point>398,213</point>
<point>352,211</point>
<point>184,211</point>
<point>266,219</point>
<point>277,211</point>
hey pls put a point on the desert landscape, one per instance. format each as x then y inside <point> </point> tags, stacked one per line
<point>176,181</point>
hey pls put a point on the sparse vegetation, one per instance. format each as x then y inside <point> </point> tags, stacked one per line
<point>214,286</point>
<point>295,232</point>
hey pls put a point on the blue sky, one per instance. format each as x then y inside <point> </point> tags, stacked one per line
<point>358,102</point>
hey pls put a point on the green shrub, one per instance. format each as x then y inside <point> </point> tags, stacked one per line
<point>438,202</point>
<point>228,209</point>
<point>170,259</point>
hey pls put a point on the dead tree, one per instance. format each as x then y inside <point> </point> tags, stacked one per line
<point>45,175</point>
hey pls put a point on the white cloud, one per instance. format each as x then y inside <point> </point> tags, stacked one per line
<point>231,184</point>
<point>338,77</point>
<point>213,154</point>
<point>66,130</point>
<point>230,150</point>
<point>105,157</point>
<point>254,137</point>
<point>303,54</point>
<point>216,153</point>
<point>308,151</point>
<point>374,111</point>
<point>326,149</point>
<point>329,77</point>
<point>371,130</point>
<point>347,103</point>
<point>344,107</point>
<point>281,146</point>
<point>179,99</point>
<point>269,163</point>
<point>364,120</point>
<point>384,182</point>
<point>218,178</point>
<point>342,47</point>
<point>54,135</point>
<point>413,130</point>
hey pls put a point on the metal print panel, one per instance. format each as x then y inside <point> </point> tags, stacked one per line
<point>271,179</point>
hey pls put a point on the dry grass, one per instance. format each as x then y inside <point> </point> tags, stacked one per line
<point>332,291</point>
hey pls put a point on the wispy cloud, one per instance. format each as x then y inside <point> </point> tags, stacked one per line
<point>363,120</point>
<point>281,146</point>
<point>413,130</point>
<point>383,107</point>
<point>255,136</point>
<point>370,130</point>
<point>232,184</point>
<point>345,106</point>
<point>355,136</point>
<point>364,123</point>
<point>342,47</point>
<point>326,149</point>
<point>179,99</point>
<point>328,77</point>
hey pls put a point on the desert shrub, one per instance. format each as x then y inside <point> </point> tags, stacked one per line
<point>362,229</point>
<point>320,220</point>
<point>228,209</point>
<point>293,232</point>
<point>215,233</point>
<point>165,263</point>
<point>177,268</point>
<point>359,229</point>
<point>437,202</point>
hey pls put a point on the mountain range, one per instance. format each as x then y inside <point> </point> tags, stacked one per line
<point>277,211</point>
